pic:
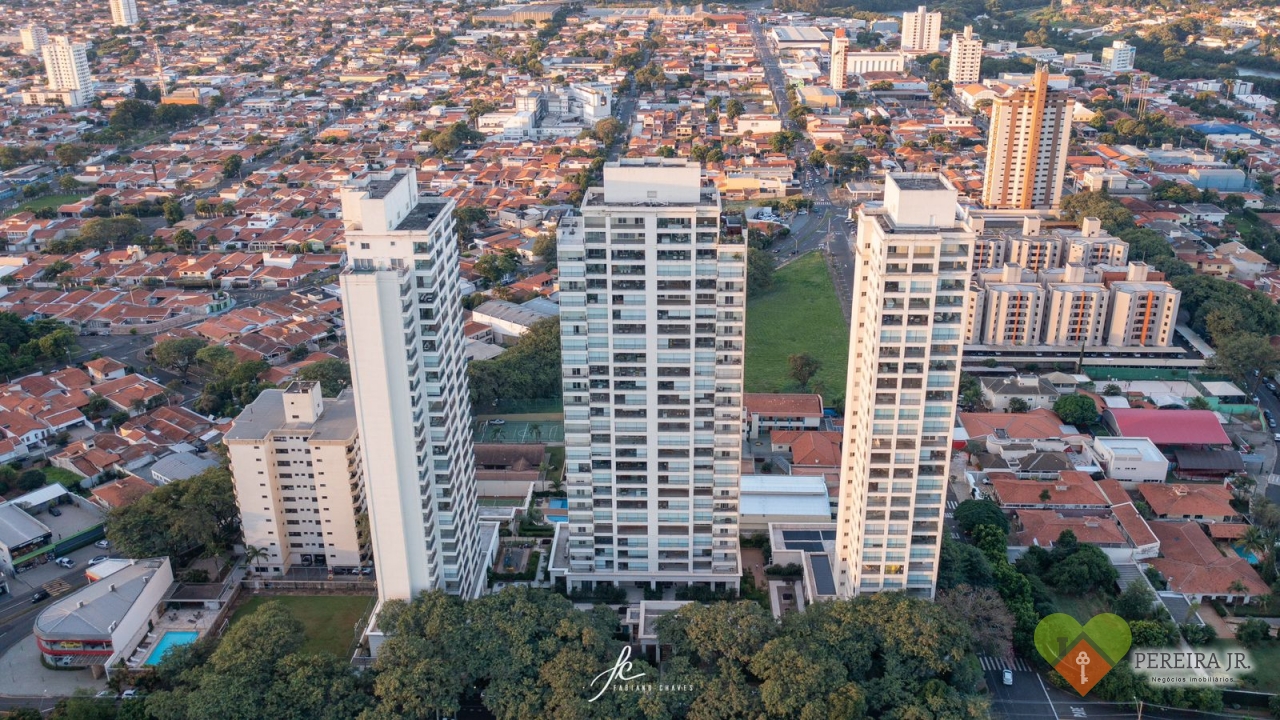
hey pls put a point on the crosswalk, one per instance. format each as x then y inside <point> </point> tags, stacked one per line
<point>1014,663</point>
<point>56,587</point>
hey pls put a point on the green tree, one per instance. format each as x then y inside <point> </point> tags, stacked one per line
<point>179,517</point>
<point>217,358</point>
<point>333,375</point>
<point>530,369</point>
<point>32,479</point>
<point>734,631</point>
<point>1253,632</point>
<point>963,564</point>
<point>608,131</point>
<point>1198,403</point>
<point>115,232</point>
<point>1086,570</point>
<point>173,212</point>
<point>1135,603</point>
<point>1239,356</point>
<point>1099,204</point>
<point>970,514</point>
<point>177,353</point>
<point>760,267</point>
<point>1019,405</point>
<point>802,368</point>
<point>231,165</point>
<point>1078,410</point>
<point>984,612</point>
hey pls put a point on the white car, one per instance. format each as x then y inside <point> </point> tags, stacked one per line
<point>98,559</point>
<point>65,562</point>
<point>104,544</point>
<point>1007,676</point>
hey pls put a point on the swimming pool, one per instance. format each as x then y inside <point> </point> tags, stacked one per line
<point>559,503</point>
<point>170,639</point>
<point>1246,554</point>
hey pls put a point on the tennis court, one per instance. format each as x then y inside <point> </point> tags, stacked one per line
<point>519,431</point>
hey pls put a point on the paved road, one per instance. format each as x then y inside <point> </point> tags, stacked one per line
<point>829,231</point>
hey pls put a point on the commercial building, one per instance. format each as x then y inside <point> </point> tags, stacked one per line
<point>34,38</point>
<point>792,37</point>
<point>857,63</point>
<point>911,276</point>
<point>1119,57</point>
<point>653,304</point>
<point>96,625</point>
<point>921,31</point>
<point>124,13</point>
<point>839,63</point>
<point>966,58</point>
<point>400,293</point>
<point>299,478</point>
<point>1027,147</point>
<point>66,65</point>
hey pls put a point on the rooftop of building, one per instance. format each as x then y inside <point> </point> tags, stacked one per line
<point>94,610</point>
<point>919,181</point>
<point>337,419</point>
<point>17,527</point>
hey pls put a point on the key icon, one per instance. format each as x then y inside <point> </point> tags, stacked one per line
<point>1082,659</point>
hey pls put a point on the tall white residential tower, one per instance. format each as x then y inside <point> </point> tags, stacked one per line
<point>124,12</point>
<point>1027,147</point>
<point>299,479</point>
<point>839,59</point>
<point>909,299</point>
<point>922,31</point>
<point>401,301</point>
<point>652,297</point>
<point>34,38</point>
<point>966,58</point>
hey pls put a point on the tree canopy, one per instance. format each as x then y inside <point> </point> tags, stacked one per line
<point>530,369</point>
<point>334,375</point>
<point>179,518</point>
<point>1076,409</point>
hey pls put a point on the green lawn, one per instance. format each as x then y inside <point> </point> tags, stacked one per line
<point>330,620</point>
<point>59,475</point>
<point>52,201</point>
<point>1082,608</point>
<point>1266,658</point>
<point>800,314</point>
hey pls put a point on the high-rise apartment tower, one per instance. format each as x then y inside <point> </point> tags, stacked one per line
<point>1027,147</point>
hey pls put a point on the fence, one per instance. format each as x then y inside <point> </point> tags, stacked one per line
<point>335,587</point>
<point>1110,372</point>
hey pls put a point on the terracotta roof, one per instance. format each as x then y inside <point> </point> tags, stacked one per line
<point>123,492</point>
<point>1194,566</point>
<point>1042,527</point>
<point>1180,500</point>
<point>1039,424</point>
<point>1134,525</point>
<point>1227,531</point>
<point>1071,488</point>
<point>787,404</point>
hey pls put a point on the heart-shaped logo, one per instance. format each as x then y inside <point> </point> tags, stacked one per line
<point>1083,655</point>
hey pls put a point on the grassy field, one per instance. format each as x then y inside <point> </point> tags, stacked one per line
<point>1266,660</point>
<point>60,475</point>
<point>799,315</point>
<point>330,620</point>
<point>52,201</point>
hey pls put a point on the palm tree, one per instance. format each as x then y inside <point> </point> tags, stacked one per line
<point>1255,541</point>
<point>253,554</point>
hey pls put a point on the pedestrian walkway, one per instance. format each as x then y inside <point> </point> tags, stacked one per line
<point>56,587</point>
<point>1014,663</point>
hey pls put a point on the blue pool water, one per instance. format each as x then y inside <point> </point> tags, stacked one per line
<point>561,503</point>
<point>1247,555</point>
<point>170,639</point>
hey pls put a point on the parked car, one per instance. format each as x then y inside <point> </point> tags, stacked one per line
<point>497,421</point>
<point>1007,676</point>
<point>55,512</point>
<point>66,562</point>
<point>98,559</point>
<point>104,544</point>
<point>130,694</point>
<point>40,595</point>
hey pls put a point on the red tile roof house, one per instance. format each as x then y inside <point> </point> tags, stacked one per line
<point>1211,503</point>
<point>1195,567</point>
<point>781,411</point>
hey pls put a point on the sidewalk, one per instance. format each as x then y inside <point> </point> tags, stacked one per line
<point>22,672</point>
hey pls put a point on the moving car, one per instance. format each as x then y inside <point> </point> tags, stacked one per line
<point>104,544</point>
<point>97,559</point>
<point>65,562</point>
<point>1007,676</point>
<point>40,595</point>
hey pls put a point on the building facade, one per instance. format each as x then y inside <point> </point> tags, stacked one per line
<point>1027,147</point>
<point>1119,57</point>
<point>652,297</point>
<point>966,58</point>
<point>124,13</point>
<point>909,295</point>
<point>299,479</point>
<point>922,31</point>
<point>1143,313</point>
<point>400,293</point>
<point>66,65</point>
<point>34,38</point>
<point>857,63</point>
<point>839,62</point>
